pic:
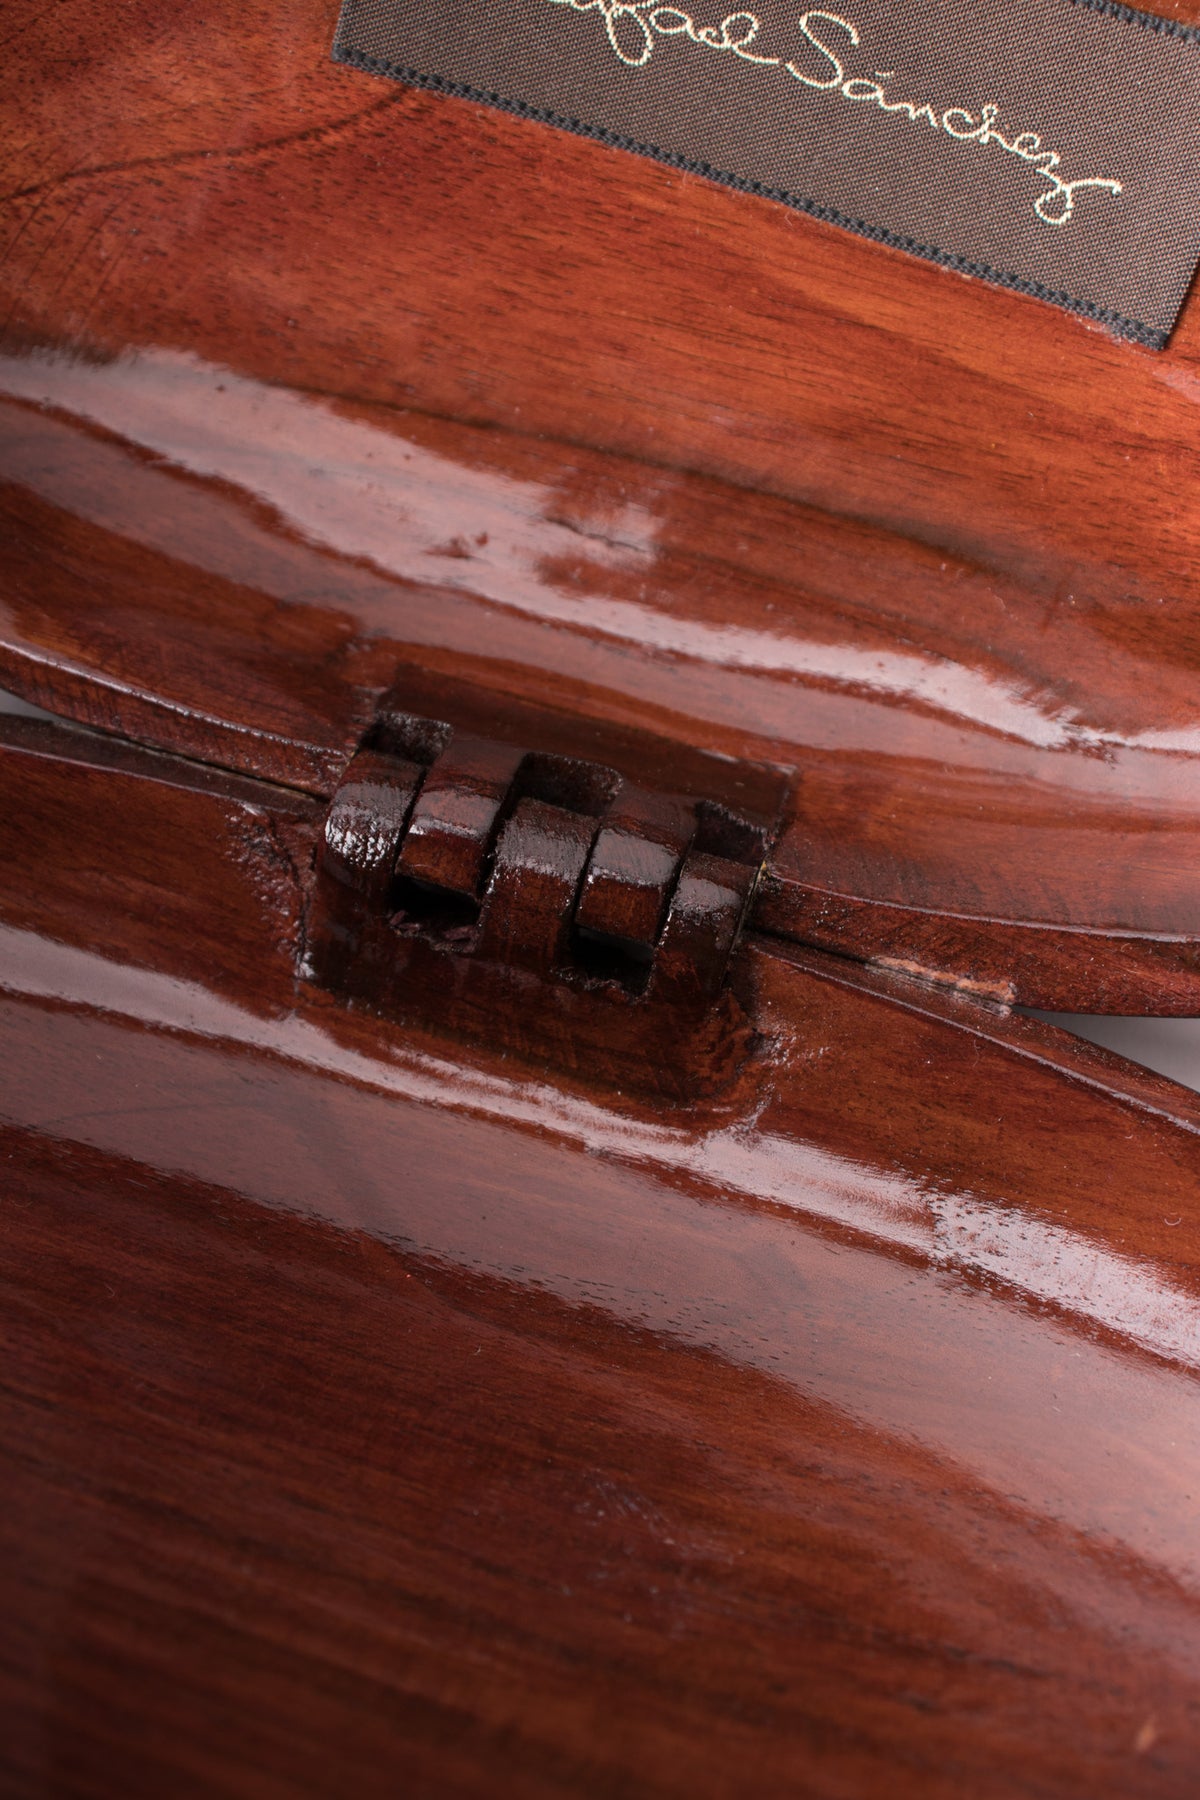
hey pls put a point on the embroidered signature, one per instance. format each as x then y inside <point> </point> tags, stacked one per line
<point>633,25</point>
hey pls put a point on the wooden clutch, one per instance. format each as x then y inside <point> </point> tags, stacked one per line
<point>539,1255</point>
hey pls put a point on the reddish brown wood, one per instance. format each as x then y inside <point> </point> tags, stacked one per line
<point>427,1373</point>
<point>618,1563</point>
<point>898,808</point>
<point>154,861</point>
<point>457,813</point>
<point>541,855</point>
<point>925,543</point>
<point>703,922</point>
<point>483,865</point>
<point>634,866</point>
<point>365,827</point>
<point>384,1408</point>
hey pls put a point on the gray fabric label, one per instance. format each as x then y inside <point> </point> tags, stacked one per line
<point>1052,146</point>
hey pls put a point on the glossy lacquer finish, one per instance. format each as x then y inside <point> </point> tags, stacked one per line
<point>384,1411</point>
<point>427,1370</point>
<point>306,376</point>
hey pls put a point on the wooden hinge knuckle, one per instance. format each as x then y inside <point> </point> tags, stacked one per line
<point>461,873</point>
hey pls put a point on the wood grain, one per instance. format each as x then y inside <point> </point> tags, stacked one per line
<point>291,1510</point>
<point>379,1409</point>
<point>400,1392</point>
<point>309,376</point>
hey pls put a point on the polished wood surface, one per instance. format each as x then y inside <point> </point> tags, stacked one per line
<point>437,1360</point>
<point>384,1410</point>
<point>307,375</point>
<point>381,1408</point>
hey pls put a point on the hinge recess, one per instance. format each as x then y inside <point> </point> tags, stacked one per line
<point>460,875</point>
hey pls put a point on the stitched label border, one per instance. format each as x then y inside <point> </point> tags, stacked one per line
<point>1046,146</point>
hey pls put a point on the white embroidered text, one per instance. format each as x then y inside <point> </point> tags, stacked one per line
<point>632,26</point>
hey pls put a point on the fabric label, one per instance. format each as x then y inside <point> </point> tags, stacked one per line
<point>1052,146</point>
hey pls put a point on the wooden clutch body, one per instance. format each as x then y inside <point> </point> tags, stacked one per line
<point>563,709</point>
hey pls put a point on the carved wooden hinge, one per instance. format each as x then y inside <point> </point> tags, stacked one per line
<point>460,875</point>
